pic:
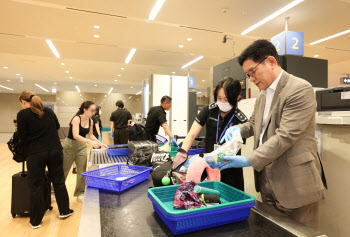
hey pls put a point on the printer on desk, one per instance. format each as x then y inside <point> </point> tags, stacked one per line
<point>333,106</point>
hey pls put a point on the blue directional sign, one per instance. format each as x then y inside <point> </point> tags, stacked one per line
<point>192,82</point>
<point>346,80</point>
<point>279,42</point>
<point>295,43</point>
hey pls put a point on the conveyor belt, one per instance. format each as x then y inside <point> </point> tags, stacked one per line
<point>98,156</point>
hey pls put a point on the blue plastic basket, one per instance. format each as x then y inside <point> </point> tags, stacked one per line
<point>116,177</point>
<point>118,151</point>
<point>161,141</point>
<point>192,152</point>
<point>235,206</point>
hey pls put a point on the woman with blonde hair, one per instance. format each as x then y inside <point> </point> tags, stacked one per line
<point>37,128</point>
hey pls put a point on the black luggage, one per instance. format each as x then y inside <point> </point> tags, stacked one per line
<point>138,133</point>
<point>139,151</point>
<point>20,202</point>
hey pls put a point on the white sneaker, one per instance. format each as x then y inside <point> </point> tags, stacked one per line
<point>80,198</point>
<point>35,226</point>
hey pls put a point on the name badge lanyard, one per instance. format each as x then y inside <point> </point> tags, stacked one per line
<point>217,128</point>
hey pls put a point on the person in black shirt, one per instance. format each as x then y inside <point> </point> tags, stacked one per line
<point>97,129</point>
<point>119,122</point>
<point>218,117</point>
<point>37,128</point>
<point>156,117</point>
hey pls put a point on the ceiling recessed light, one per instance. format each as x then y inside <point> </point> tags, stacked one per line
<point>55,83</point>
<point>18,74</point>
<point>272,16</point>
<point>156,9</point>
<point>316,55</point>
<point>6,68</point>
<point>67,71</point>
<point>181,46</point>
<point>96,36</point>
<point>203,80</point>
<point>80,95</point>
<point>96,27</point>
<point>70,77</point>
<point>95,85</point>
<point>199,92</point>
<point>192,62</point>
<point>330,37</point>
<point>131,87</point>
<point>8,80</point>
<point>189,39</point>
<point>53,48</point>
<point>173,72</point>
<point>115,80</point>
<point>6,88</point>
<point>131,54</point>
<point>138,92</point>
<point>41,87</point>
<point>105,95</point>
<point>122,68</point>
<point>118,75</point>
<point>62,64</point>
<point>53,90</point>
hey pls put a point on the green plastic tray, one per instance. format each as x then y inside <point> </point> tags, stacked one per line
<point>230,196</point>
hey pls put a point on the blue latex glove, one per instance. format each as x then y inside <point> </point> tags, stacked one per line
<point>174,141</point>
<point>228,134</point>
<point>235,162</point>
<point>100,138</point>
<point>112,134</point>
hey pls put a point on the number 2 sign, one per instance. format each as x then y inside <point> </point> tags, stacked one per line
<point>290,42</point>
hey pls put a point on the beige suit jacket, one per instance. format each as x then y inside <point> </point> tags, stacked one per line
<point>289,150</point>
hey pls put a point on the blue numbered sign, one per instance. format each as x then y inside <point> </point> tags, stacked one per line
<point>295,43</point>
<point>279,42</point>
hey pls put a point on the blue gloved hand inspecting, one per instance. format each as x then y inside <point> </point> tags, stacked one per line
<point>174,141</point>
<point>228,134</point>
<point>235,162</point>
<point>100,138</point>
<point>112,134</point>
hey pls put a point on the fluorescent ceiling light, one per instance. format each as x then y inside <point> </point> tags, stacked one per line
<point>173,72</point>
<point>132,52</point>
<point>203,80</point>
<point>6,68</point>
<point>96,36</point>
<point>67,71</point>
<point>189,39</point>
<point>18,74</point>
<point>8,80</point>
<point>273,15</point>
<point>96,27</point>
<point>115,80</point>
<point>77,89</point>
<point>316,56</point>
<point>181,46</point>
<point>41,87</point>
<point>122,68</point>
<point>131,87</point>
<point>6,88</point>
<point>330,37</point>
<point>118,75</point>
<point>198,92</point>
<point>105,95</point>
<point>192,62</point>
<point>53,49</point>
<point>156,9</point>
<point>21,79</point>
<point>62,64</point>
<point>95,85</point>
<point>130,97</point>
<point>138,92</point>
<point>80,95</point>
<point>70,77</point>
<point>110,90</point>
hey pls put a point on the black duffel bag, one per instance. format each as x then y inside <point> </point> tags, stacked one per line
<point>138,133</point>
<point>16,147</point>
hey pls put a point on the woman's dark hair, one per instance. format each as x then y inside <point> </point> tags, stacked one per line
<point>120,104</point>
<point>35,102</point>
<point>257,51</point>
<point>232,89</point>
<point>84,105</point>
<point>98,111</point>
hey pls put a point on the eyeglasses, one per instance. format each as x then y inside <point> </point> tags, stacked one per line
<point>251,72</point>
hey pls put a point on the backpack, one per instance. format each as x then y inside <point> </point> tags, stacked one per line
<point>168,169</point>
<point>138,133</point>
<point>16,147</point>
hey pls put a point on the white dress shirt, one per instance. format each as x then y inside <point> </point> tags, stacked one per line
<point>269,93</point>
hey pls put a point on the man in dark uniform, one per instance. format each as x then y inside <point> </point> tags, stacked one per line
<point>156,117</point>
<point>218,117</point>
<point>119,122</point>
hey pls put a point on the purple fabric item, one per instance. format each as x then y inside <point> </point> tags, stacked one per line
<point>186,198</point>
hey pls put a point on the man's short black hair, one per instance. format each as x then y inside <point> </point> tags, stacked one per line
<point>120,104</point>
<point>232,89</point>
<point>165,99</point>
<point>257,51</point>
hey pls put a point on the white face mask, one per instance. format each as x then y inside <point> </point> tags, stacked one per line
<point>224,107</point>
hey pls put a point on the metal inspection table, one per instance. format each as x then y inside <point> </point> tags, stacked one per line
<point>130,213</point>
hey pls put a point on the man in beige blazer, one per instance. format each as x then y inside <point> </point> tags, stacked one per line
<point>288,171</point>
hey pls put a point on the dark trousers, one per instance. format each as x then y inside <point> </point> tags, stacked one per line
<point>121,136</point>
<point>36,165</point>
